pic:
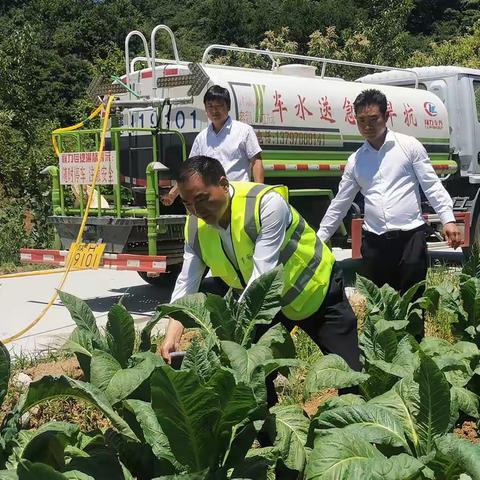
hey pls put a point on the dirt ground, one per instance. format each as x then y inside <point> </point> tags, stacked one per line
<point>67,366</point>
<point>468,431</point>
<point>311,406</point>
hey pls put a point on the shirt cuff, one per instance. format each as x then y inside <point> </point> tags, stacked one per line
<point>322,236</point>
<point>447,217</point>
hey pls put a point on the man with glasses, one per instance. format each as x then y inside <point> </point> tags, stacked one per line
<point>233,143</point>
<point>389,169</point>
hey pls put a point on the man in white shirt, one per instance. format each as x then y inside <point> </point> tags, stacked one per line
<point>234,144</point>
<point>389,169</point>
<point>208,195</point>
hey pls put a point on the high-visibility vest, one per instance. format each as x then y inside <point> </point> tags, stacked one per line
<point>307,261</point>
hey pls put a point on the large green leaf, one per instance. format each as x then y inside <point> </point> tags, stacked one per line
<point>200,360</point>
<point>331,371</point>
<point>186,476</point>
<point>152,432</point>
<point>470,293</point>
<point>334,455</point>
<point>82,343</point>
<point>188,413</point>
<point>279,340</point>
<point>378,345</point>
<point>190,310</point>
<point>472,266</point>
<point>221,316</point>
<point>49,387</point>
<point>120,334</point>
<point>459,455</point>
<point>82,315</point>
<point>242,442</point>
<point>433,403</point>
<point>466,401</point>
<point>372,423</point>
<point>126,381</point>
<point>36,471</point>
<point>369,290</point>
<point>433,346</point>
<point>4,371</point>
<point>398,467</point>
<point>342,456</point>
<point>291,427</point>
<point>259,304</point>
<point>102,369</point>
<point>346,400</point>
<point>400,401</point>
<point>244,362</point>
<point>101,464</point>
<point>77,475</point>
<point>44,445</point>
<point>236,400</point>
<point>258,464</point>
<point>406,299</point>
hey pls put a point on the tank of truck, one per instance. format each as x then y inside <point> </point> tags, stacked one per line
<point>305,124</point>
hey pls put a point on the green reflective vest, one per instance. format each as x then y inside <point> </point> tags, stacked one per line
<point>306,259</point>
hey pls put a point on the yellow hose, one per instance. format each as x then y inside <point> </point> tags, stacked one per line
<point>94,114</point>
<point>82,226</point>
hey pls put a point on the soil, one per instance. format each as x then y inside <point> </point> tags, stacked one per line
<point>311,406</point>
<point>468,431</point>
<point>67,366</point>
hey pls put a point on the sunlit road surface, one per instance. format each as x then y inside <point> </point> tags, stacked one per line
<point>22,299</point>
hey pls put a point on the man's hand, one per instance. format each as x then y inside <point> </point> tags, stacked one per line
<point>172,339</point>
<point>452,235</point>
<point>170,197</point>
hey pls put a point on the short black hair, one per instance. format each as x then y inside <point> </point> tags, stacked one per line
<point>217,93</point>
<point>209,169</point>
<point>370,97</point>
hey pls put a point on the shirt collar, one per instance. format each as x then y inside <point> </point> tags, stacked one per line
<point>389,141</point>
<point>227,126</point>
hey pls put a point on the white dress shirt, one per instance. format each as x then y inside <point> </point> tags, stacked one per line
<point>389,179</point>
<point>233,146</point>
<point>275,217</point>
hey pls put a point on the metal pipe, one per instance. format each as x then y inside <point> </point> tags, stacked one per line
<point>295,56</point>
<point>127,55</point>
<point>151,210</point>
<point>117,187</point>
<point>152,44</point>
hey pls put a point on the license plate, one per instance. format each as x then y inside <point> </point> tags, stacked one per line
<point>86,255</point>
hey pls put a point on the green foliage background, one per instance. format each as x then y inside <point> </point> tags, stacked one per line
<point>51,49</point>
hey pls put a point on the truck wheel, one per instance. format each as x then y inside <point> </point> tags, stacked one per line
<point>164,279</point>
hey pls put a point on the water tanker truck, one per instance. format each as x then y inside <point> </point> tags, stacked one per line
<point>305,124</point>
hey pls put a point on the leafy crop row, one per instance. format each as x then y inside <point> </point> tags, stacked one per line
<point>205,420</point>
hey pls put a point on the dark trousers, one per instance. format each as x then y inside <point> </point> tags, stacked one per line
<point>333,327</point>
<point>397,258</point>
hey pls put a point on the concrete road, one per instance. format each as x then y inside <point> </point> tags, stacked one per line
<point>23,298</point>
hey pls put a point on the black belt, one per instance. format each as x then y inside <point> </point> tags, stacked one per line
<point>394,234</point>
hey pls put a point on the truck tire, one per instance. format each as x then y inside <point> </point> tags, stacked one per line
<point>164,279</point>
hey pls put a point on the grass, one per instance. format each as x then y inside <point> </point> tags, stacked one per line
<point>11,267</point>
<point>290,389</point>
<point>440,324</point>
